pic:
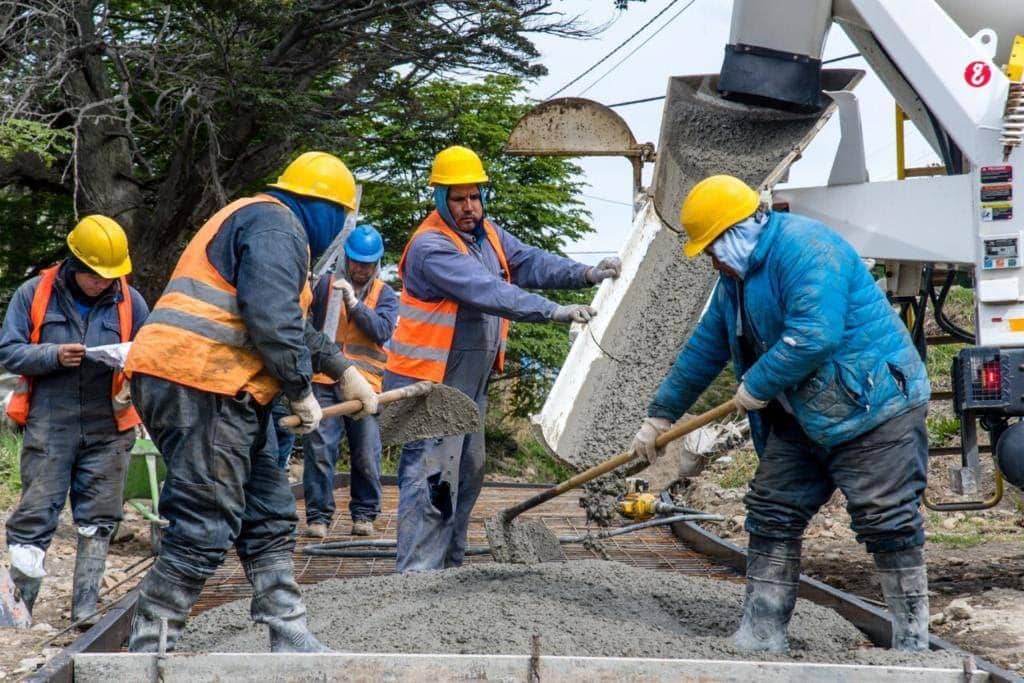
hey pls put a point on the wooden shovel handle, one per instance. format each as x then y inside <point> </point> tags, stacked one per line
<point>596,471</point>
<point>354,406</point>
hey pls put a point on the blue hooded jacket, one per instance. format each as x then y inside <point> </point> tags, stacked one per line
<point>829,341</point>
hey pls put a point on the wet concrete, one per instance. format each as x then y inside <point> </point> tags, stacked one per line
<point>443,411</point>
<point>525,541</point>
<point>579,608</point>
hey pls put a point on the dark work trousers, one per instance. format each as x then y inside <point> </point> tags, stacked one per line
<point>882,474</point>
<point>223,483</point>
<point>70,446</point>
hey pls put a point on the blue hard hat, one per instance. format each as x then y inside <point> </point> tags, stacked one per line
<point>364,245</point>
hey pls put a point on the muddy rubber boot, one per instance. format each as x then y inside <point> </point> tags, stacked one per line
<point>90,561</point>
<point>904,580</point>
<point>28,587</point>
<point>773,574</point>
<point>165,593</point>
<point>277,603</point>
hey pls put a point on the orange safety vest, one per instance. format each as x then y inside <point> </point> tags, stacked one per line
<point>368,356</point>
<point>195,334</point>
<point>124,414</point>
<point>425,330</point>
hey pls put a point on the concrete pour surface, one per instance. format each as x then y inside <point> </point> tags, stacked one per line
<point>587,608</point>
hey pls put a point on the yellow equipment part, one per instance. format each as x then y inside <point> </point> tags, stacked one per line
<point>638,506</point>
<point>1015,67</point>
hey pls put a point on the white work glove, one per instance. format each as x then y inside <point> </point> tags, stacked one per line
<point>347,292</point>
<point>355,387</point>
<point>650,430</point>
<point>309,411</point>
<point>606,268</point>
<point>574,313</point>
<point>745,401</point>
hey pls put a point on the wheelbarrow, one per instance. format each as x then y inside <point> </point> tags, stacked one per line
<point>146,472</point>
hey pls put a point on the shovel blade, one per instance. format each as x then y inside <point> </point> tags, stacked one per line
<point>13,612</point>
<point>443,411</point>
<point>521,541</point>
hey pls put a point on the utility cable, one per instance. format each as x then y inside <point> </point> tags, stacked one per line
<point>640,46</point>
<point>614,50</point>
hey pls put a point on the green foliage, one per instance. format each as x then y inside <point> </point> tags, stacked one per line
<point>34,227</point>
<point>10,474</point>
<point>534,198</point>
<point>18,136</point>
<point>522,459</point>
<point>956,541</point>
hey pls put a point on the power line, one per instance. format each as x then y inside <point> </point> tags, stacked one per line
<point>638,47</point>
<point>602,199</point>
<point>614,50</point>
<point>657,98</point>
<point>839,59</point>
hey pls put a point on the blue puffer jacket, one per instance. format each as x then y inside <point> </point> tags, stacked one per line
<point>830,343</point>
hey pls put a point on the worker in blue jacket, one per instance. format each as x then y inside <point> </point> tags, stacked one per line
<point>835,391</point>
<point>358,310</point>
<point>463,279</point>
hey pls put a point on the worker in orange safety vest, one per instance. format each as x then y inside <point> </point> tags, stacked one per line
<point>79,422</point>
<point>464,278</point>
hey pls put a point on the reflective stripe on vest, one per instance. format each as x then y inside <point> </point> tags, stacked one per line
<point>425,330</point>
<point>125,416</point>
<point>367,355</point>
<point>195,334</point>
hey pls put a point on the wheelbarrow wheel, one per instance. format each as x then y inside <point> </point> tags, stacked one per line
<point>155,532</point>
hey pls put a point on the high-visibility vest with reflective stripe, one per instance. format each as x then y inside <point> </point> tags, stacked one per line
<point>425,330</point>
<point>368,356</point>
<point>18,409</point>
<point>195,334</point>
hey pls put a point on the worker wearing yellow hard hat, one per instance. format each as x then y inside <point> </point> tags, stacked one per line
<point>73,405</point>
<point>836,395</point>
<point>228,336</point>
<point>464,278</point>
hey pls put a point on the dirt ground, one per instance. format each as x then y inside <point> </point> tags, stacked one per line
<point>975,559</point>
<point>22,652</point>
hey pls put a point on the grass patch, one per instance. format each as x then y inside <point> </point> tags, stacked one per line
<point>523,459</point>
<point>942,431</point>
<point>955,540</point>
<point>740,471</point>
<point>10,474</point>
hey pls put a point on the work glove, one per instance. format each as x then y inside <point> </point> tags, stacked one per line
<point>650,430</point>
<point>355,387</point>
<point>574,313</point>
<point>606,268</point>
<point>309,411</point>
<point>347,292</point>
<point>745,400</point>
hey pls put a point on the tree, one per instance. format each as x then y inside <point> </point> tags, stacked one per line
<point>534,198</point>
<point>172,108</point>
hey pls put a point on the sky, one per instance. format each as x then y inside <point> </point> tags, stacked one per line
<point>692,40</point>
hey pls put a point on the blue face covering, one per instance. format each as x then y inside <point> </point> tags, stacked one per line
<point>322,219</point>
<point>441,204</point>
<point>735,245</point>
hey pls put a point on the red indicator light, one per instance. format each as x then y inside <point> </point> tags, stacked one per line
<point>991,376</point>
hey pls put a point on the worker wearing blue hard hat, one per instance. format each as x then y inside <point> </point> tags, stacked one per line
<point>358,310</point>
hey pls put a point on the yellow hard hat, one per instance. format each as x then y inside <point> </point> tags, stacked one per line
<point>714,205</point>
<point>322,175</point>
<point>457,165</point>
<point>100,243</point>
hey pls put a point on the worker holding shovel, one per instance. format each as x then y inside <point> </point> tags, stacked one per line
<point>358,310</point>
<point>835,391</point>
<point>463,280</point>
<point>226,337</point>
<point>79,423</point>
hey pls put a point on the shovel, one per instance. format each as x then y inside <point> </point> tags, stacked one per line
<point>531,541</point>
<point>424,410</point>
<point>13,612</point>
